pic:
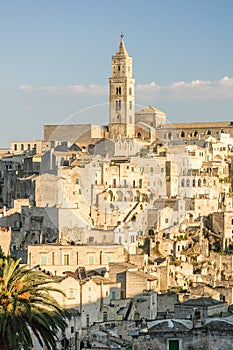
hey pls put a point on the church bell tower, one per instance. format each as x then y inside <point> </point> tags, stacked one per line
<point>121,94</point>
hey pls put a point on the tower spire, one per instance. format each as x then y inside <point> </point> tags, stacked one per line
<point>122,50</point>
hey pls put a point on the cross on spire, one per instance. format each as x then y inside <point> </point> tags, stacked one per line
<point>122,35</point>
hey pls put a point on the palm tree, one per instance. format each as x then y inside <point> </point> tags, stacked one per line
<point>27,307</point>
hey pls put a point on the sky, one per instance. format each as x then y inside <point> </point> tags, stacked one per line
<point>55,60</point>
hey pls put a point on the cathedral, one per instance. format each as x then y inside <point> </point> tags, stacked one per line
<point>146,124</point>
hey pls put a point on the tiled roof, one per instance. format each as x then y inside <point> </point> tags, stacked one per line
<point>202,302</point>
<point>149,109</point>
<point>170,325</point>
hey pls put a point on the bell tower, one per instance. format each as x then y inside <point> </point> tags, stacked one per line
<point>121,94</point>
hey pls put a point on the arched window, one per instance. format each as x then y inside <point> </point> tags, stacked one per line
<point>195,133</point>
<point>188,183</point>
<point>209,132</point>
<point>194,183</point>
<point>119,196</point>
<point>137,195</point>
<point>139,135</point>
<point>182,134</point>
<point>204,182</point>
<point>182,183</point>
<point>118,105</point>
<point>169,135</point>
<point>199,183</point>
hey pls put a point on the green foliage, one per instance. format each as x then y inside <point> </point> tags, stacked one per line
<point>27,306</point>
<point>177,290</point>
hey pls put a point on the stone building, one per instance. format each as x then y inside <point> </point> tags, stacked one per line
<point>17,147</point>
<point>200,308</point>
<point>133,281</point>
<point>57,258</point>
<point>177,334</point>
<point>87,296</point>
<point>221,223</point>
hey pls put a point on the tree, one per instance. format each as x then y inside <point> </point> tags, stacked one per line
<point>27,306</point>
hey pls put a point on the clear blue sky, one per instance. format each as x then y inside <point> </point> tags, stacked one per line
<point>55,60</point>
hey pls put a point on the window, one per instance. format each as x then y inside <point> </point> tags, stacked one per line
<point>132,239</point>
<point>77,181</point>
<point>15,147</point>
<point>166,220</point>
<point>109,258</point>
<point>130,91</point>
<point>29,147</point>
<point>151,169</point>
<point>71,294</point>
<point>113,294</point>
<point>91,259</point>
<point>72,329</point>
<point>130,104</point>
<point>118,91</point>
<point>22,147</point>
<point>119,68</point>
<point>88,320</point>
<point>66,259</point>
<point>118,105</point>
<point>169,135</point>
<point>106,293</point>
<point>43,260</point>
<point>52,258</point>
